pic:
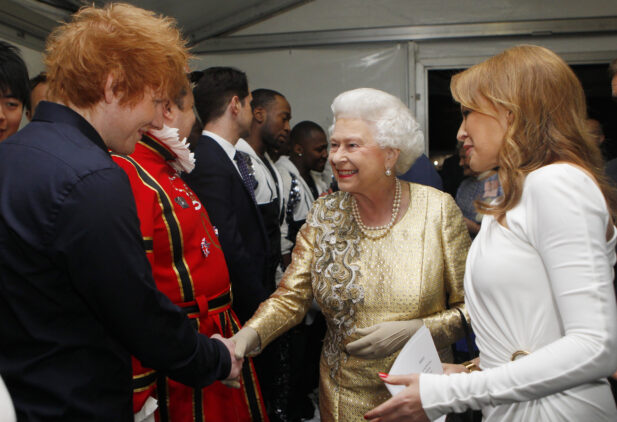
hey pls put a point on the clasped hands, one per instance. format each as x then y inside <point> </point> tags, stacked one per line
<point>244,343</point>
<point>236,362</point>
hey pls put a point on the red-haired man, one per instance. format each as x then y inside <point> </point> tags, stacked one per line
<point>77,295</point>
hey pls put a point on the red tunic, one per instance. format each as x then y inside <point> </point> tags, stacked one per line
<point>189,267</point>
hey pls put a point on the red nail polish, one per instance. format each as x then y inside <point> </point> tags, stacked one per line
<point>383,375</point>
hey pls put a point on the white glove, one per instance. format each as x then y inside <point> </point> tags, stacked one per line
<point>383,339</point>
<point>247,342</point>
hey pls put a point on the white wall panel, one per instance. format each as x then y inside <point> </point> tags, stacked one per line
<point>310,78</point>
<point>32,58</point>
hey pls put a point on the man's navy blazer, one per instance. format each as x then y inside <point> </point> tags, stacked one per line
<point>235,215</point>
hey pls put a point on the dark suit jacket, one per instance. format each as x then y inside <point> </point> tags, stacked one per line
<point>235,215</point>
<point>424,173</point>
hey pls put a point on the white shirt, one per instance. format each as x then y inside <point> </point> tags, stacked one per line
<point>543,285</point>
<point>7,412</point>
<point>227,146</point>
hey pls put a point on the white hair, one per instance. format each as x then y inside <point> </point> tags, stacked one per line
<point>391,122</point>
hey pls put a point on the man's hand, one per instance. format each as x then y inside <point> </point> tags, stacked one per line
<point>383,339</point>
<point>405,406</point>
<point>236,363</point>
<point>247,342</point>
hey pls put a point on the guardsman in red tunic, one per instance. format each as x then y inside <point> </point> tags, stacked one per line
<point>189,267</point>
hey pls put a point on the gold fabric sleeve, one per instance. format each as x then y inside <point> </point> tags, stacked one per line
<point>445,326</point>
<point>289,303</point>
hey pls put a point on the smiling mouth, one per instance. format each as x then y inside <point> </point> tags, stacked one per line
<point>346,173</point>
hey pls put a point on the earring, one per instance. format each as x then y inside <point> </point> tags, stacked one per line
<point>388,172</point>
<point>299,154</point>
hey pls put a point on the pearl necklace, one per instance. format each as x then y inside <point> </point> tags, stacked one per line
<point>367,231</point>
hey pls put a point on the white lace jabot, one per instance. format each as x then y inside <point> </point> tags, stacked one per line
<point>185,159</point>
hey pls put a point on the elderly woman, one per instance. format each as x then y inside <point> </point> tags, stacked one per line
<point>381,257</point>
<point>539,275</point>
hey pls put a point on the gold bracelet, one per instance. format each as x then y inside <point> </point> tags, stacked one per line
<point>471,366</point>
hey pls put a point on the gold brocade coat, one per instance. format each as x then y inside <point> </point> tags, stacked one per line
<point>414,271</point>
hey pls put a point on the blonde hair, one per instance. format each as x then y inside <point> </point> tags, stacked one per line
<point>391,122</point>
<point>139,49</point>
<point>548,118</point>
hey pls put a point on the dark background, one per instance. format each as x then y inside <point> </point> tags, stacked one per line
<point>445,115</point>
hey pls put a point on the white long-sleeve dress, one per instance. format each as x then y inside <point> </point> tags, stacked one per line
<point>541,285</point>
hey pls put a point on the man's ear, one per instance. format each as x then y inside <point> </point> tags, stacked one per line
<point>259,114</point>
<point>109,93</point>
<point>235,105</point>
<point>297,148</point>
<point>168,112</point>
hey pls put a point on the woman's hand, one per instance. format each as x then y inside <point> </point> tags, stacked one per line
<point>383,339</point>
<point>405,406</point>
<point>247,342</point>
<point>453,368</point>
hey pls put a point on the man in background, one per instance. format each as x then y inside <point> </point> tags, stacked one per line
<point>225,181</point>
<point>38,93</point>
<point>269,129</point>
<point>224,185</point>
<point>423,172</point>
<point>14,90</point>
<point>302,186</point>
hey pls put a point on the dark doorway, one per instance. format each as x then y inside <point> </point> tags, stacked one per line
<point>444,115</point>
<point>600,106</point>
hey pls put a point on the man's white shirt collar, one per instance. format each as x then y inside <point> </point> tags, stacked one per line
<point>227,146</point>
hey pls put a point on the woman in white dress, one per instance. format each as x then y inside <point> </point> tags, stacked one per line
<point>538,281</point>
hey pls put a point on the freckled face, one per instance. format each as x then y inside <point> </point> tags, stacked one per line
<point>129,122</point>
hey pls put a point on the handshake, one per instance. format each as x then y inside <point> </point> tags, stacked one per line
<point>245,342</point>
<point>375,342</point>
